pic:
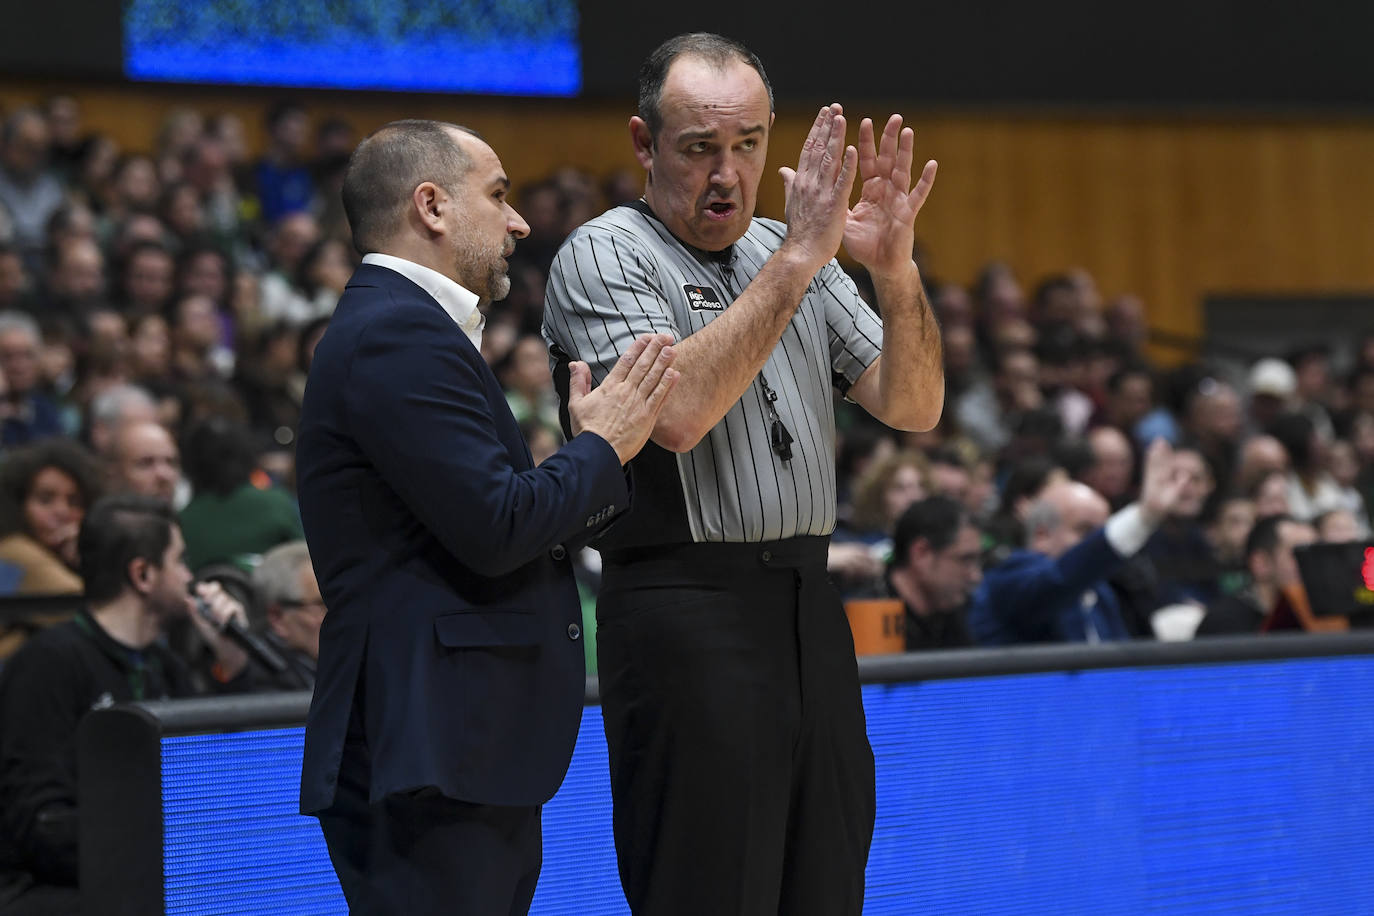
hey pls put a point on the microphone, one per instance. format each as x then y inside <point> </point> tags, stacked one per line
<point>250,642</point>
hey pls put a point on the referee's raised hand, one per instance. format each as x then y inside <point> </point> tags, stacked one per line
<point>623,408</point>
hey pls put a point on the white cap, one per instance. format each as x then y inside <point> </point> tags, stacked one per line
<point>1273,377</point>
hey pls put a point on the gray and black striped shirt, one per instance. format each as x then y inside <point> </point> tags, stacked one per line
<point>623,274</point>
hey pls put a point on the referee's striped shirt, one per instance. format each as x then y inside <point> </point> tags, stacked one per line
<point>623,274</point>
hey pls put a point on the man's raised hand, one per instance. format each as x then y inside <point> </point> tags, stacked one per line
<point>624,407</point>
<point>880,231</point>
<point>818,190</point>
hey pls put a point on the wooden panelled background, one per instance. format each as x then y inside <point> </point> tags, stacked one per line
<point>1169,208</point>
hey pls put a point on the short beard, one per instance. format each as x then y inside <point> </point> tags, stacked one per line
<point>487,268</point>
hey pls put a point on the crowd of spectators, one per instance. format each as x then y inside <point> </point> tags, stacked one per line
<point>159,308</point>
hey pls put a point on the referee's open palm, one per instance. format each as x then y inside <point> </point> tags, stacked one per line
<point>624,407</point>
<point>880,230</point>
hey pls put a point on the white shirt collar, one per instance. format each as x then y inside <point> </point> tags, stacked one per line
<point>460,303</point>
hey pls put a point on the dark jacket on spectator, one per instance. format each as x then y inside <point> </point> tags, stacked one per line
<point>1033,598</point>
<point>45,690</point>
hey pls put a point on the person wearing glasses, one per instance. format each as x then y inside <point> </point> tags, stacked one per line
<point>293,609</point>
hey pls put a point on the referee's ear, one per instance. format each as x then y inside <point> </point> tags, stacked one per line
<point>642,139</point>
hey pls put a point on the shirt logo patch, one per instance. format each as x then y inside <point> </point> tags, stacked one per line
<point>703,299</point>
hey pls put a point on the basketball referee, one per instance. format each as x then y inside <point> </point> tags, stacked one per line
<point>740,769</point>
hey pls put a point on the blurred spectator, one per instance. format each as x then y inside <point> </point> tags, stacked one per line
<point>147,278</point>
<point>293,609</point>
<point>1111,468</point>
<point>1344,466</point>
<point>861,443</point>
<point>136,586</point>
<point>861,544</point>
<point>66,140</point>
<point>1311,489</point>
<point>542,439</point>
<point>112,410</point>
<point>1312,373</point>
<point>1125,322</point>
<point>281,295</point>
<point>935,566</point>
<point>267,381</point>
<point>45,490</point>
<point>1212,423</point>
<point>1338,526</point>
<point>528,383</point>
<point>1056,589</point>
<point>197,351</point>
<point>1270,494</point>
<point>882,494</point>
<point>1129,400</point>
<point>1186,567</point>
<point>28,413</point>
<point>1272,387</point>
<point>182,213</point>
<point>135,189</point>
<point>206,168</point>
<point>29,191</point>
<point>181,127</point>
<point>282,176</point>
<point>229,519</point>
<point>1272,567</point>
<point>1259,456</point>
<point>150,349</point>
<point>16,282</point>
<point>144,461</point>
<point>948,474</point>
<point>1227,532</point>
<point>322,275</point>
<point>987,412</point>
<point>75,278</point>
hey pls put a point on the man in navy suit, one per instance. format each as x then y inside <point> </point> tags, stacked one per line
<point>1056,589</point>
<point>450,679</point>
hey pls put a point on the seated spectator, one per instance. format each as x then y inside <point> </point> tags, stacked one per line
<point>75,278</point>
<point>143,460</point>
<point>280,295</point>
<point>28,413</point>
<point>1228,531</point>
<point>1260,455</point>
<point>132,560</point>
<point>988,410</point>
<point>114,408</point>
<point>290,596</point>
<point>948,474</point>
<point>935,566</point>
<point>229,519</point>
<point>1270,494</point>
<point>1111,466</point>
<point>1182,556</point>
<point>29,191</point>
<point>1272,567</point>
<point>528,383</point>
<point>282,176</point>
<point>45,490</point>
<point>861,545</point>
<point>1338,526</point>
<point>1311,488</point>
<point>147,278</point>
<point>1056,589</point>
<point>16,282</point>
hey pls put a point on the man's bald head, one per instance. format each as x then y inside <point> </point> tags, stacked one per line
<point>388,165</point>
<point>1066,513</point>
<point>144,460</point>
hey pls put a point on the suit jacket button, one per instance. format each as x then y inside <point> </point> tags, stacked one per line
<point>574,631</point>
<point>558,552</point>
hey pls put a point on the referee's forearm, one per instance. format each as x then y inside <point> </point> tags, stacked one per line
<point>911,376</point>
<point>719,362</point>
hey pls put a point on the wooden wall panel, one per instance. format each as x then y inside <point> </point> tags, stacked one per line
<point>1168,208</point>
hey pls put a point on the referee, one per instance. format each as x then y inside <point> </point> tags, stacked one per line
<point>740,769</point>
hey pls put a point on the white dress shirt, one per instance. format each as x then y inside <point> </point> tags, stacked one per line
<point>460,303</point>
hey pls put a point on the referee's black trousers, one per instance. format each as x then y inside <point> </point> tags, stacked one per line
<point>740,767</point>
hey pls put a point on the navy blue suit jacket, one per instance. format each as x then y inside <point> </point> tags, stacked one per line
<point>441,553</point>
<point>1033,598</point>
